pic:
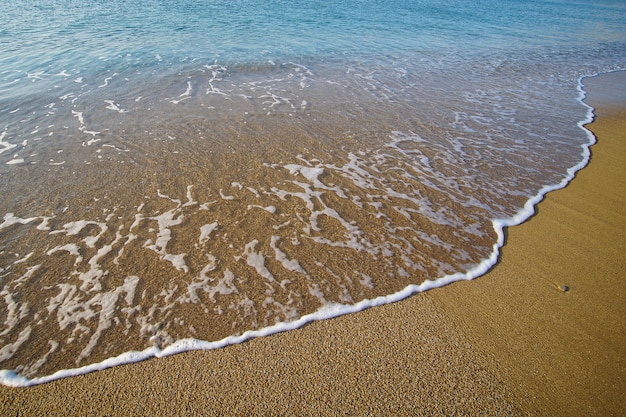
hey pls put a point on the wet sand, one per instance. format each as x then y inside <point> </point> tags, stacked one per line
<point>509,343</point>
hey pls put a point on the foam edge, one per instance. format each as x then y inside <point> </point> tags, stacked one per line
<point>332,310</point>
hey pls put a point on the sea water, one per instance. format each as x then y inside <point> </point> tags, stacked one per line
<point>187,175</point>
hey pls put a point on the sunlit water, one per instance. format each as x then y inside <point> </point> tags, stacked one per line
<point>195,170</point>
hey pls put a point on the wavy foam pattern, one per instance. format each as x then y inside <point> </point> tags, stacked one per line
<point>156,202</point>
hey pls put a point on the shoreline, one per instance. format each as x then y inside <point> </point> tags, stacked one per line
<point>500,226</point>
<point>562,351</point>
<point>406,364</point>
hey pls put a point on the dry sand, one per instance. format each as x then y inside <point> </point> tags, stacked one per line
<point>509,343</point>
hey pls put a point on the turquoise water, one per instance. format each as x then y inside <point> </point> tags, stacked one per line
<point>58,34</point>
<point>182,175</point>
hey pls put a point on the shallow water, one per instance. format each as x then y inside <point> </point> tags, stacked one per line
<point>201,170</point>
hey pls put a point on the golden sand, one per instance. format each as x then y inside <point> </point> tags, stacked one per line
<point>562,352</point>
<point>509,343</point>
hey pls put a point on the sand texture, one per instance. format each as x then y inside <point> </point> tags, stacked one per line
<point>562,353</point>
<point>509,343</point>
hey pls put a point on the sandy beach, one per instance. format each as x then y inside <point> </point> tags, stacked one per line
<point>543,333</point>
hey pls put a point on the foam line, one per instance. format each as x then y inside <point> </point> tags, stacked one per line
<point>10,219</point>
<point>329,310</point>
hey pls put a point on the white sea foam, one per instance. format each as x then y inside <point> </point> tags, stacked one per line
<point>106,82</point>
<point>15,312</point>
<point>289,264</point>
<point>190,201</point>
<point>108,146</point>
<point>29,370</point>
<point>113,106</point>
<point>360,174</point>
<point>257,261</point>
<point>9,349</point>
<point>205,232</point>
<point>71,248</point>
<point>10,219</point>
<point>204,283</point>
<point>360,206</point>
<point>269,209</point>
<point>188,91</point>
<point>82,126</point>
<point>4,145</point>
<point>165,221</point>
<point>311,174</point>
<point>226,197</point>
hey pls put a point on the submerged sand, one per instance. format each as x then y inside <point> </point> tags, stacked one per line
<point>509,343</point>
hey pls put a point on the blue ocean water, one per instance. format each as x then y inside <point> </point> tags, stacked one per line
<point>190,174</point>
<point>78,35</point>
